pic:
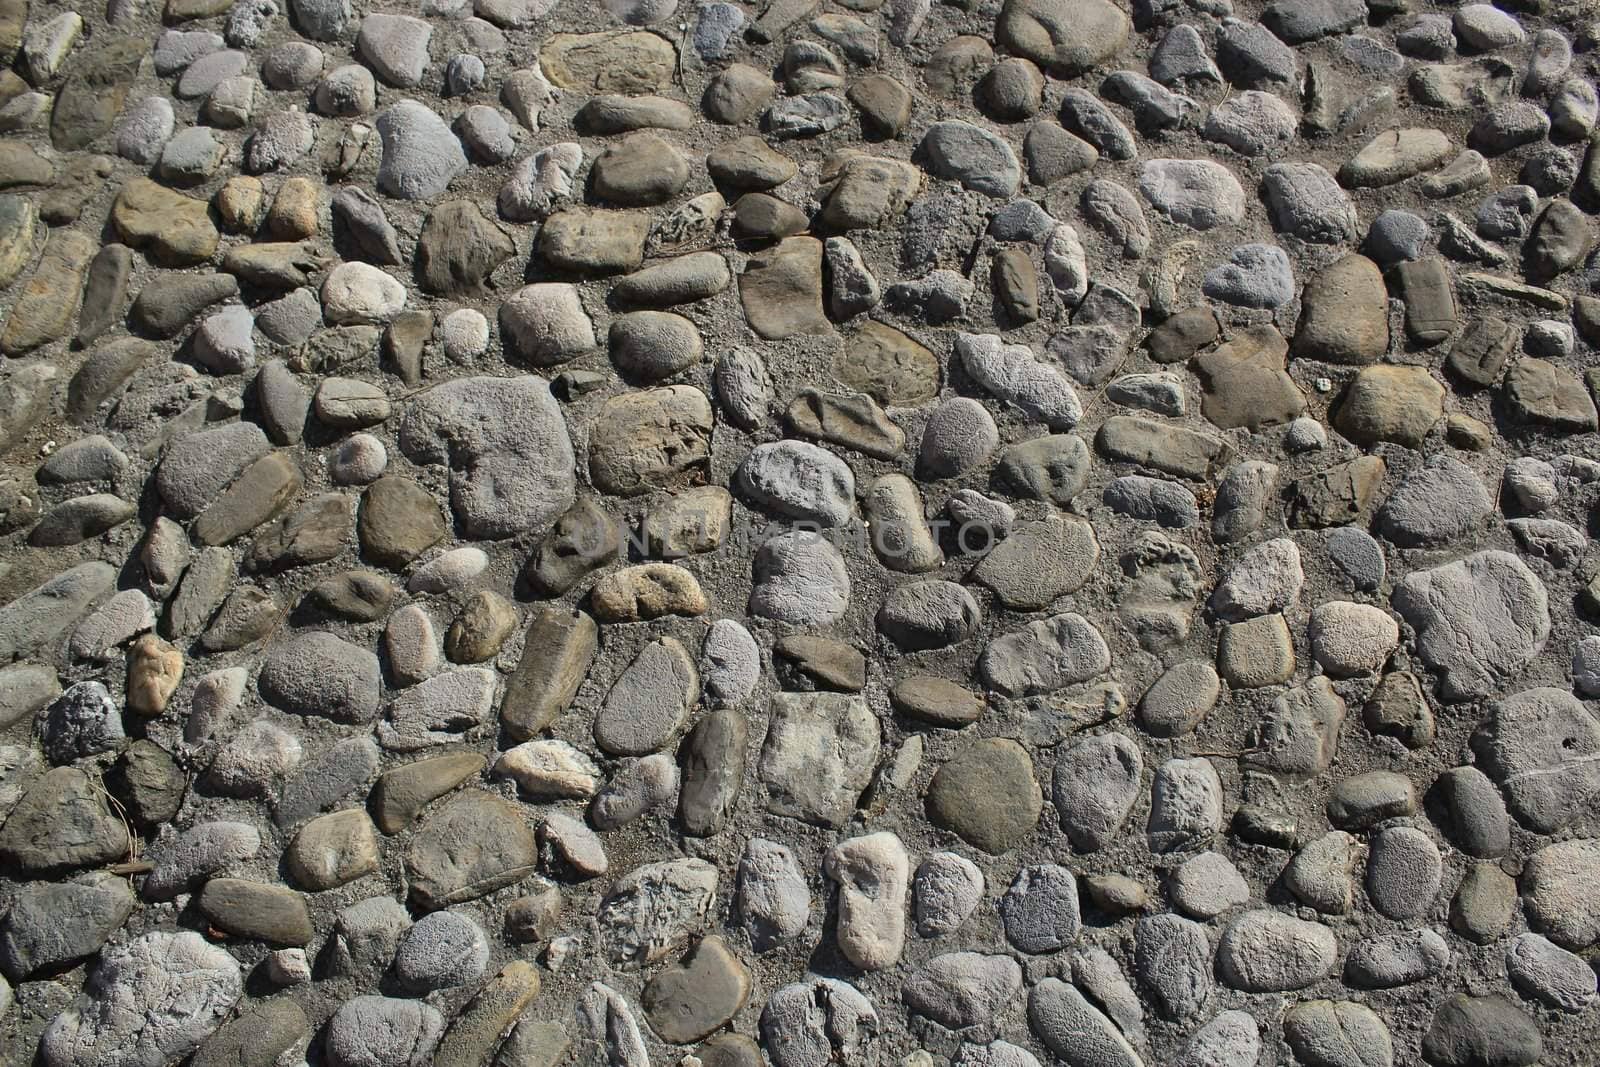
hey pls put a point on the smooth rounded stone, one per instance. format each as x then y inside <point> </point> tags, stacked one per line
<point>975,157</point>
<point>420,155</point>
<point>1163,394</point>
<point>647,591</point>
<point>1364,800</point>
<point>1052,153</point>
<point>1012,90</point>
<point>873,877</point>
<point>1040,562</point>
<point>1251,123</point>
<point>1207,885</point>
<point>1013,374</point>
<point>1485,28</point>
<point>1358,555</point>
<point>1573,109</point>
<point>649,346</point>
<point>649,702</point>
<point>928,614</point>
<point>1185,805</point>
<point>208,71</point>
<point>946,891</point>
<point>376,1031</point>
<point>1054,468</point>
<point>1231,1037</point>
<point>197,467</point>
<point>183,861</point>
<point>1266,579</point>
<point>798,480</point>
<point>448,572</point>
<point>1338,1033</point>
<point>545,324</point>
<point>293,65</point>
<point>318,674</point>
<point>642,168</point>
<point>1543,971</point>
<point>1477,818</point>
<point>1173,961</point>
<point>987,795</point>
<point>82,721</point>
<point>1349,639</point>
<point>24,689</point>
<point>962,989</point>
<point>1074,1029</point>
<point>176,49</point>
<point>1403,872</point>
<point>1152,500</point>
<point>441,950</point>
<point>333,850</point>
<point>959,435</point>
<point>346,90</point>
<point>1345,314</point>
<point>1196,193</point>
<point>1044,656</point>
<point>122,617</point>
<point>1319,874</point>
<point>254,759</point>
<point>1391,403</point>
<point>1255,276</point>
<point>360,459</point>
<point>1469,1030</point>
<point>735,95</point>
<point>145,129</point>
<point>1395,155</point>
<point>818,1022</point>
<point>936,701</point>
<point>77,520</point>
<point>356,293</point>
<point>1040,909</point>
<point>1397,959</point>
<point>1267,951</point>
<point>1178,701</point>
<point>549,770</point>
<point>1096,782</point>
<point>1065,39</point>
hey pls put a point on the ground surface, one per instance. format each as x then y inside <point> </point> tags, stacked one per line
<point>854,533</point>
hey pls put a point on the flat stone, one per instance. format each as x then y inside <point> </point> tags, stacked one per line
<point>801,783</point>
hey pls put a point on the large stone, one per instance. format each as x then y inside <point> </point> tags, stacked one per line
<point>614,61</point>
<point>44,310</point>
<point>1541,745</point>
<point>476,844</point>
<point>129,1012</point>
<point>1244,383</point>
<point>987,795</point>
<point>89,101</point>
<point>649,440</point>
<point>175,229</point>
<point>459,248</point>
<point>819,755</point>
<point>781,290</point>
<point>1345,316</point>
<point>1045,656</point>
<point>62,822</point>
<point>1478,620</point>
<point>506,444</point>
<point>1066,38</point>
